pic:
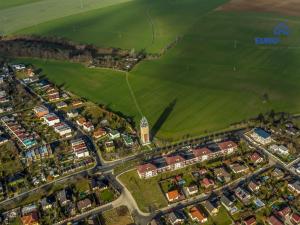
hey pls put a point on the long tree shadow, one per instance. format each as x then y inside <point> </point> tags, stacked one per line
<point>163,117</point>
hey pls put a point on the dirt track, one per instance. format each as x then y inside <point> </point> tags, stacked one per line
<point>283,7</point>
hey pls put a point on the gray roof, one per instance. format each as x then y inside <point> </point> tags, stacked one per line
<point>144,122</point>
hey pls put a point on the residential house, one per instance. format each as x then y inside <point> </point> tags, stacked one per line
<point>72,113</point>
<point>147,170</point>
<point>277,173</point>
<point>196,215</point>
<point>61,105</point>
<point>238,168</point>
<point>295,218</point>
<point>253,186</point>
<point>62,197</point>
<point>242,195</point>
<point>285,212</point>
<point>281,149</point>
<point>51,119</point>
<point>99,133</point>
<point>221,174</point>
<point>256,158</point>
<point>207,183</point>
<point>191,190</point>
<point>261,136</point>
<point>99,184</point>
<point>63,129</point>
<point>295,187</point>
<point>40,111</point>
<point>77,103</point>
<point>88,127</point>
<point>114,134</point>
<point>45,204</point>
<point>81,121</point>
<point>173,195</point>
<point>227,147</point>
<point>29,209</point>
<point>30,219</point>
<point>83,205</point>
<point>272,220</point>
<point>210,208</point>
<point>202,154</point>
<point>79,148</point>
<point>249,221</point>
<point>175,162</point>
<point>175,218</point>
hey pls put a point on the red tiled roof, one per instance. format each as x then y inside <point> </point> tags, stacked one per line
<point>173,195</point>
<point>250,221</point>
<point>201,151</point>
<point>174,159</point>
<point>226,145</point>
<point>195,213</point>
<point>30,219</point>
<point>255,156</point>
<point>274,221</point>
<point>296,217</point>
<point>285,211</point>
<point>146,167</point>
<point>207,182</point>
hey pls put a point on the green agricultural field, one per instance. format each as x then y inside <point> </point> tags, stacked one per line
<point>12,3</point>
<point>38,11</point>
<point>213,77</point>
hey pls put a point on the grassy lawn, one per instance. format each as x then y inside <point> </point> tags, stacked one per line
<point>9,159</point>
<point>147,192</point>
<point>107,195</point>
<point>215,76</point>
<point>118,216</point>
<point>82,185</point>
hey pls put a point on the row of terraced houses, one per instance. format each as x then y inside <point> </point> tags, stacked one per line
<point>178,161</point>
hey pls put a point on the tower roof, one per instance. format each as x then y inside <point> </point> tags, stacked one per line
<point>144,122</point>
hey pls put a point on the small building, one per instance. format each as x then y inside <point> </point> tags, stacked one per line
<point>114,134</point>
<point>253,186</point>
<point>99,133</point>
<point>294,187</point>
<point>256,158</point>
<point>196,215</point>
<point>207,183</point>
<point>45,204</point>
<point>277,173</point>
<point>210,208</point>
<point>83,205</point>
<point>72,113</point>
<point>62,197</point>
<point>191,190</point>
<point>173,195</point>
<point>202,154</point>
<point>30,219</point>
<point>295,218</point>
<point>249,221</point>
<point>147,170</point>
<point>175,218</point>
<point>261,136</point>
<point>51,119</point>
<point>281,149</point>
<point>242,195</point>
<point>175,162</point>
<point>61,105</point>
<point>79,148</point>
<point>81,121</point>
<point>273,220</point>
<point>88,126</point>
<point>285,212</point>
<point>227,147</point>
<point>221,174</point>
<point>41,111</point>
<point>238,168</point>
